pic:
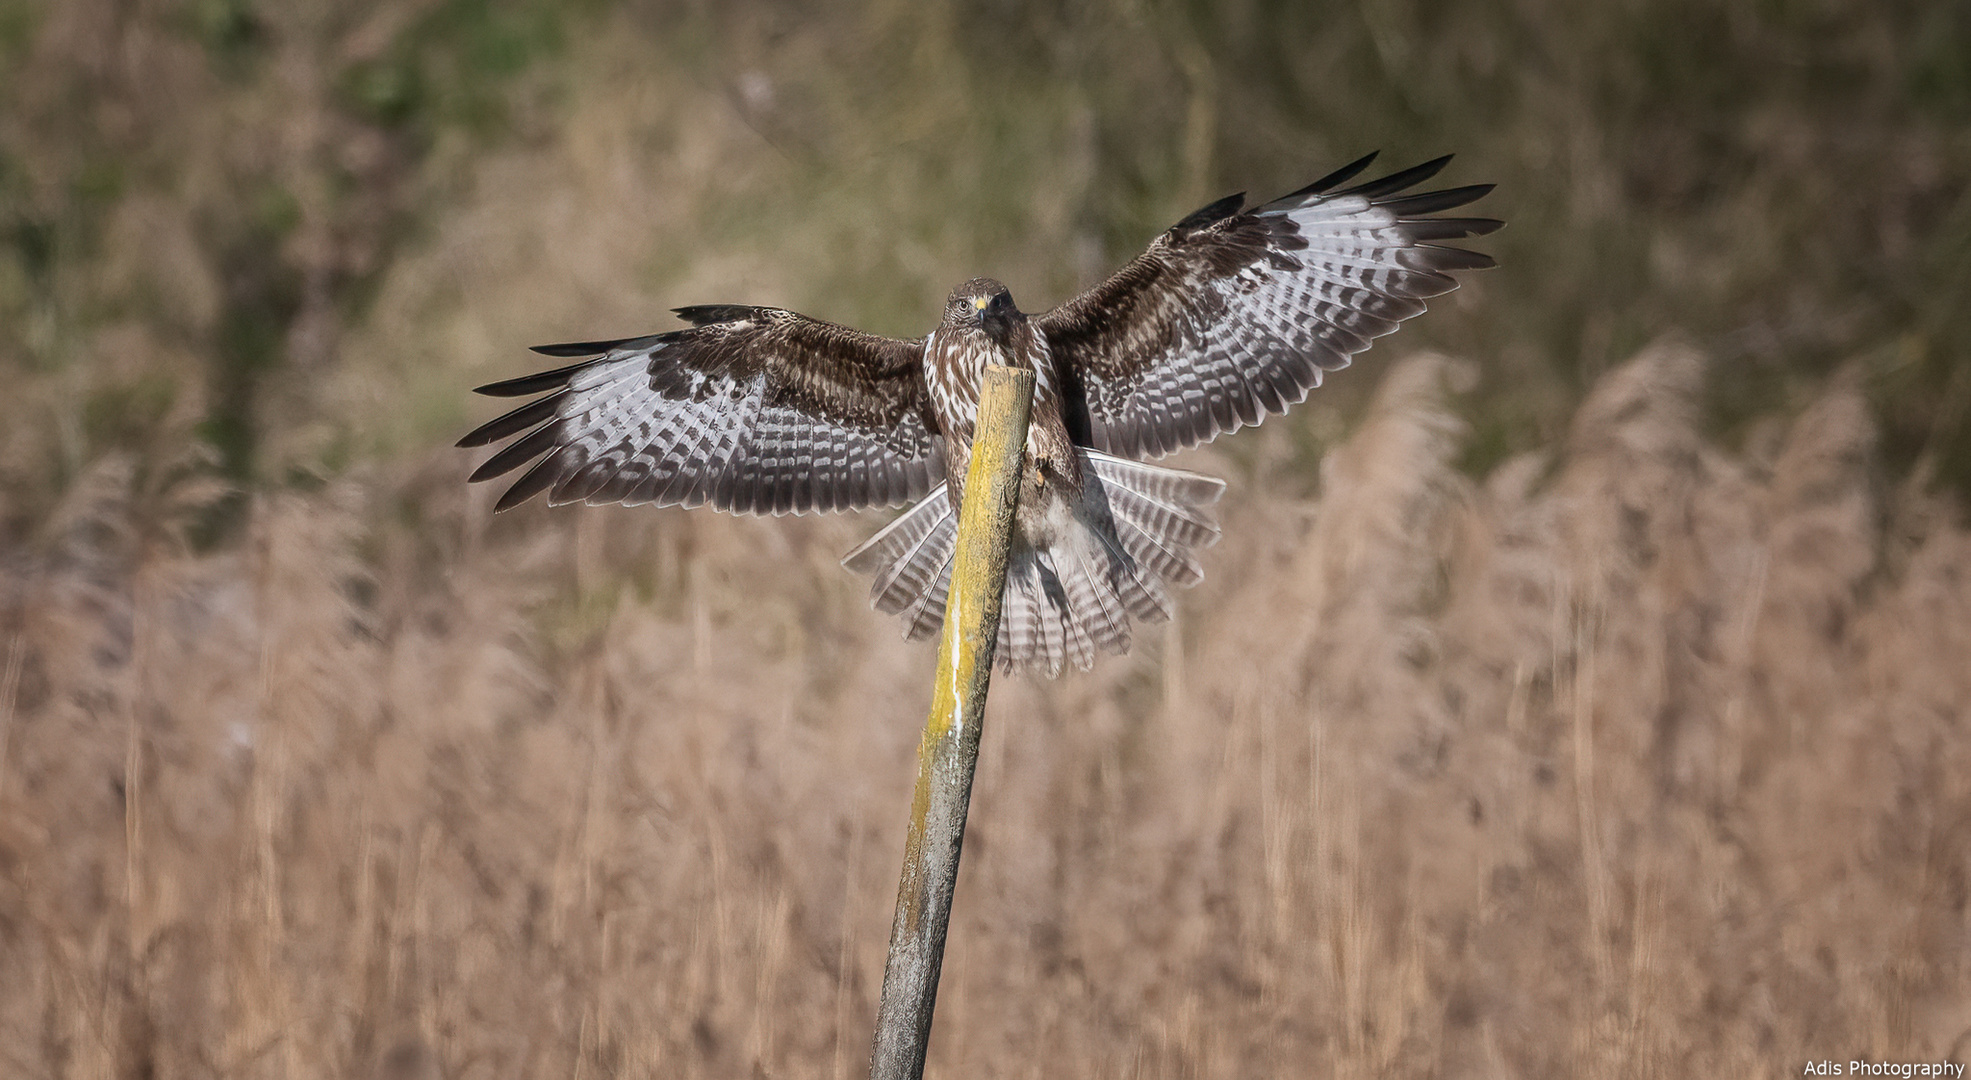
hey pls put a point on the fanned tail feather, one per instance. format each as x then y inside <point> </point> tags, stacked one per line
<point>1161,514</point>
<point>1109,559</point>
<point>909,554</point>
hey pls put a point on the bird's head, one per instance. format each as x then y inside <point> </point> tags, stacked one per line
<point>984,304</point>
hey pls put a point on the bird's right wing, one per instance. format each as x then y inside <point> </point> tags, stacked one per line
<point>753,410</point>
<point>1231,315</point>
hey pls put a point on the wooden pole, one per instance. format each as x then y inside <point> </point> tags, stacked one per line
<point>950,748</point>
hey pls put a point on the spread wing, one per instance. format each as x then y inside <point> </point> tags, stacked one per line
<point>1233,315</point>
<point>754,410</point>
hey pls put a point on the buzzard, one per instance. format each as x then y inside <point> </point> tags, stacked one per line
<point>1230,316</point>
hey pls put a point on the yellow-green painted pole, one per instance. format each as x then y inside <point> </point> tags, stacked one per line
<point>950,747</point>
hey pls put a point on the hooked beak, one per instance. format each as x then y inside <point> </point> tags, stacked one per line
<point>993,318</point>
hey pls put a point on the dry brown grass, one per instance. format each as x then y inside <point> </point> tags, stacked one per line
<point>1644,761</point>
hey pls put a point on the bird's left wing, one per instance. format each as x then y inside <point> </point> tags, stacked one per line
<point>1232,315</point>
<point>753,410</point>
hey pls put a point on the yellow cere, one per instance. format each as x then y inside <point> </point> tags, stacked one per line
<point>979,302</point>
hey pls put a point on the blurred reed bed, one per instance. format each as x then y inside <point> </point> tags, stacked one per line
<point>1641,758</point>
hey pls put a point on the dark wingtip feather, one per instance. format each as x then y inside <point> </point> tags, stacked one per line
<point>572,348</point>
<point>706,314</point>
<point>549,380</point>
<point>1430,202</point>
<point>510,423</point>
<point>596,348</point>
<point>531,384</point>
<point>1450,258</point>
<point>517,453</point>
<point>1394,182</point>
<point>1339,176</point>
<point>1208,215</point>
<point>538,479</point>
<point>1424,229</point>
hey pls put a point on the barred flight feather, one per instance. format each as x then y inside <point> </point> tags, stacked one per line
<point>753,410</point>
<point>1218,326</point>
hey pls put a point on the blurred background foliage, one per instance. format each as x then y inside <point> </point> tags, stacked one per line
<point>237,227</point>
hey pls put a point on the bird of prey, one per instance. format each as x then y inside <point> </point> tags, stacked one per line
<point>1232,315</point>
